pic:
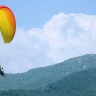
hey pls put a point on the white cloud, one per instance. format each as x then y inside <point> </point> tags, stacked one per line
<point>62,37</point>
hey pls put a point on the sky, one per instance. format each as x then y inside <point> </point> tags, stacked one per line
<point>48,32</point>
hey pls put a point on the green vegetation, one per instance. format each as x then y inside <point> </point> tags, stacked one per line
<point>40,77</point>
<point>81,83</point>
<point>73,77</point>
<point>21,93</point>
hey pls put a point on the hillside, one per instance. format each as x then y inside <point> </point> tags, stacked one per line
<point>81,83</point>
<point>40,77</point>
<point>22,93</point>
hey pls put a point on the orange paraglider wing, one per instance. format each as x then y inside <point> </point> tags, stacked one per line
<point>7,24</point>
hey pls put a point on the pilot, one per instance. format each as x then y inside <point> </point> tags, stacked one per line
<point>1,69</point>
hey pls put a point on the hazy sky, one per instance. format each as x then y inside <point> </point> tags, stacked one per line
<point>48,32</point>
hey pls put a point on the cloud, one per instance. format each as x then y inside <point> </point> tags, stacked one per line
<point>70,35</point>
<point>62,37</point>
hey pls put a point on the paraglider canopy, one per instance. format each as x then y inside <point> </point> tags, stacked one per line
<point>7,24</point>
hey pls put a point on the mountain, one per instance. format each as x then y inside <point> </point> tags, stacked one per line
<point>81,83</point>
<point>38,78</point>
